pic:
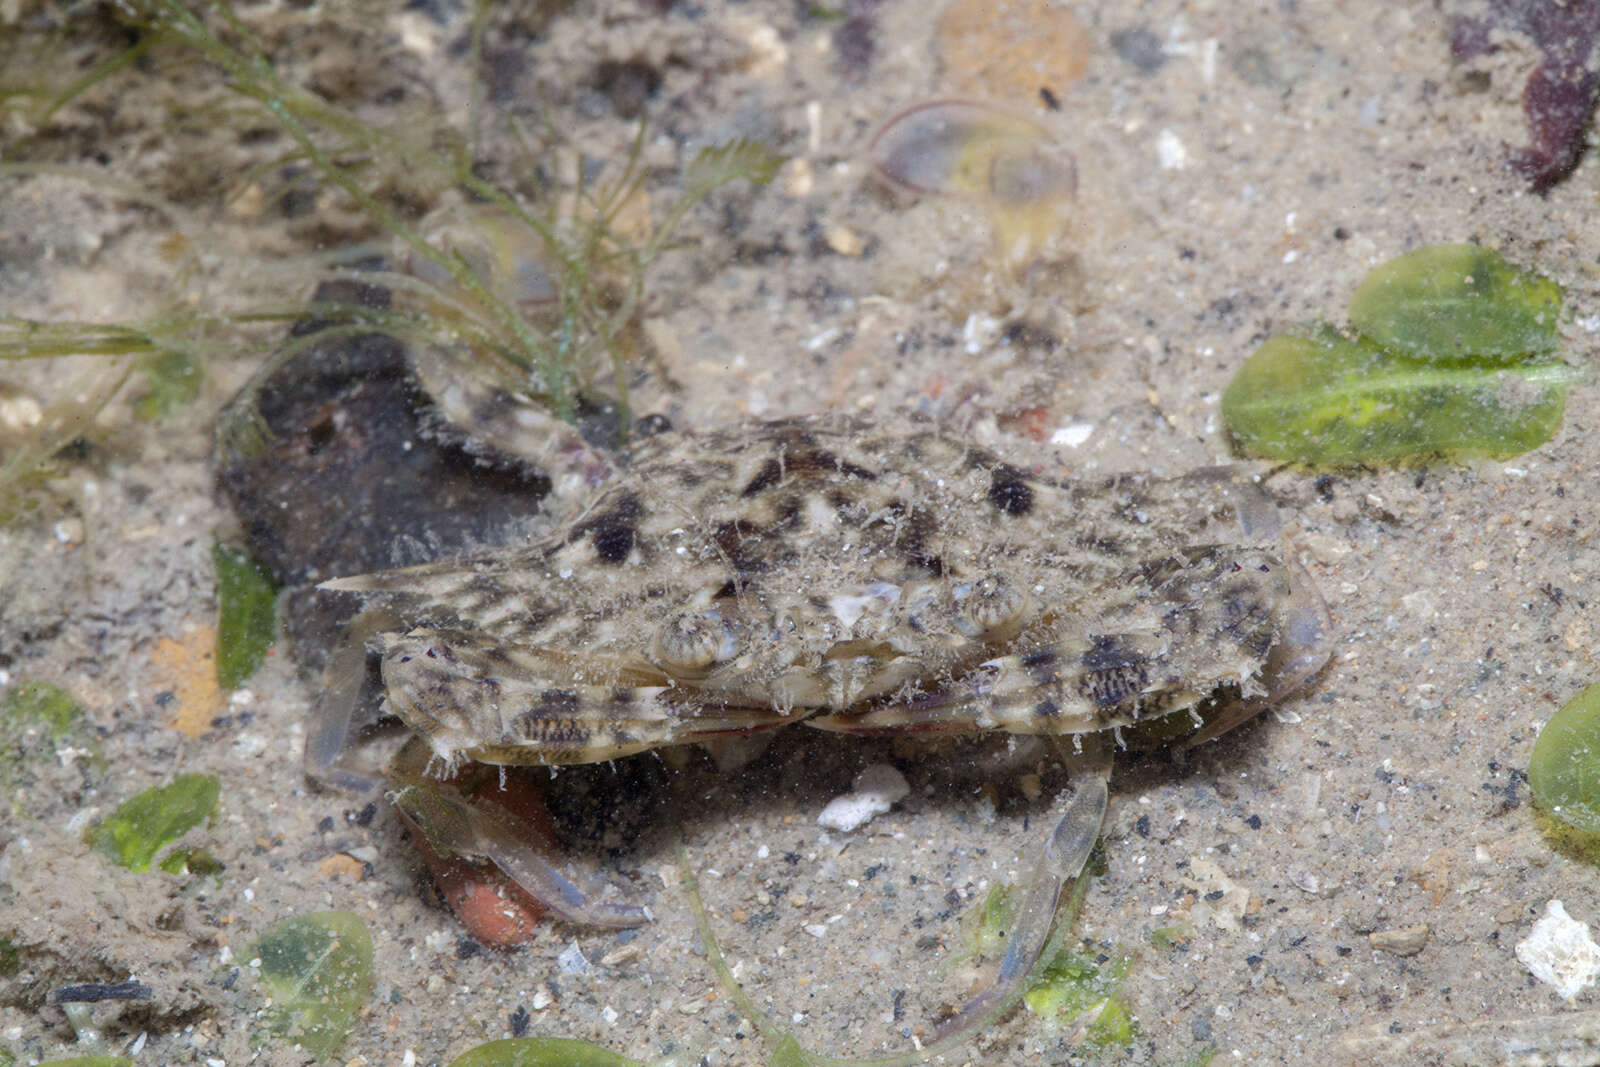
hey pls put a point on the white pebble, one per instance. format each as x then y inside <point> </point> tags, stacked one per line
<point>875,791</point>
<point>979,332</point>
<point>1073,434</point>
<point>1560,952</point>
<point>1170,152</point>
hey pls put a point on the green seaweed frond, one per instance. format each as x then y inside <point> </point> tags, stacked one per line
<point>596,268</point>
<point>568,351</point>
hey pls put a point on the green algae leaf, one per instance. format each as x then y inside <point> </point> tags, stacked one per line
<point>983,928</point>
<point>47,705</point>
<point>1168,936</point>
<point>1564,770</point>
<point>1113,1024</point>
<point>148,822</point>
<point>318,971</point>
<point>789,1053</point>
<point>717,165</point>
<point>1070,983</point>
<point>173,379</point>
<point>38,722</point>
<point>1326,399</point>
<point>541,1052</point>
<point>246,623</point>
<point>1457,301</point>
<point>1064,984</point>
<point>191,861</point>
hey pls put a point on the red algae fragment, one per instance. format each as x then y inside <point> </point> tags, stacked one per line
<point>1560,94</point>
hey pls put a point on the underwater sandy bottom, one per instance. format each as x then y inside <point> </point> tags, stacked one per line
<point>1244,185</point>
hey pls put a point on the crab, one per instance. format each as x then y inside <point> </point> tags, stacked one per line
<point>848,577</point>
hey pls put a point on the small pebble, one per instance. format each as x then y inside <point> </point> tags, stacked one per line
<point>1073,434</point>
<point>1306,882</point>
<point>626,954</point>
<point>1406,941</point>
<point>1170,151</point>
<point>19,412</point>
<point>1139,48</point>
<point>875,790</point>
<point>844,241</point>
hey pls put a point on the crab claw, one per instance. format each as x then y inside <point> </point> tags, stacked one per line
<point>452,825</point>
<point>1305,641</point>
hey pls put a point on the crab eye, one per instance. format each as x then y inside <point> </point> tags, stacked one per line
<point>690,642</point>
<point>992,607</point>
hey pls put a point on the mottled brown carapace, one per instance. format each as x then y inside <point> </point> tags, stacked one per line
<point>854,578</point>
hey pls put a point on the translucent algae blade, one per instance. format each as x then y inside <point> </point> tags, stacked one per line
<point>246,623</point>
<point>974,151</point>
<point>1457,301</point>
<point>318,971</point>
<point>958,148</point>
<point>1564,771</point>
<point>1326,399</point>
<point>541,1052</point>
<point>145,824</point>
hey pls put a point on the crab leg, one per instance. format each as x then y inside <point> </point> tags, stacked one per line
<point>329,726</point>
<point>451,825</point>
<point>1048,690</point>
<point>1062,859</point>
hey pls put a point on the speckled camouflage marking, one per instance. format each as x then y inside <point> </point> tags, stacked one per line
<point>859,580</point>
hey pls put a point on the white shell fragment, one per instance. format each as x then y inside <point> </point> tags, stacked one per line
<point>1560,952</point>
<point>572,960</point>
<point>875,790</point>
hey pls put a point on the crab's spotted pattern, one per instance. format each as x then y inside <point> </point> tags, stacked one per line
<point>859,580</point>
